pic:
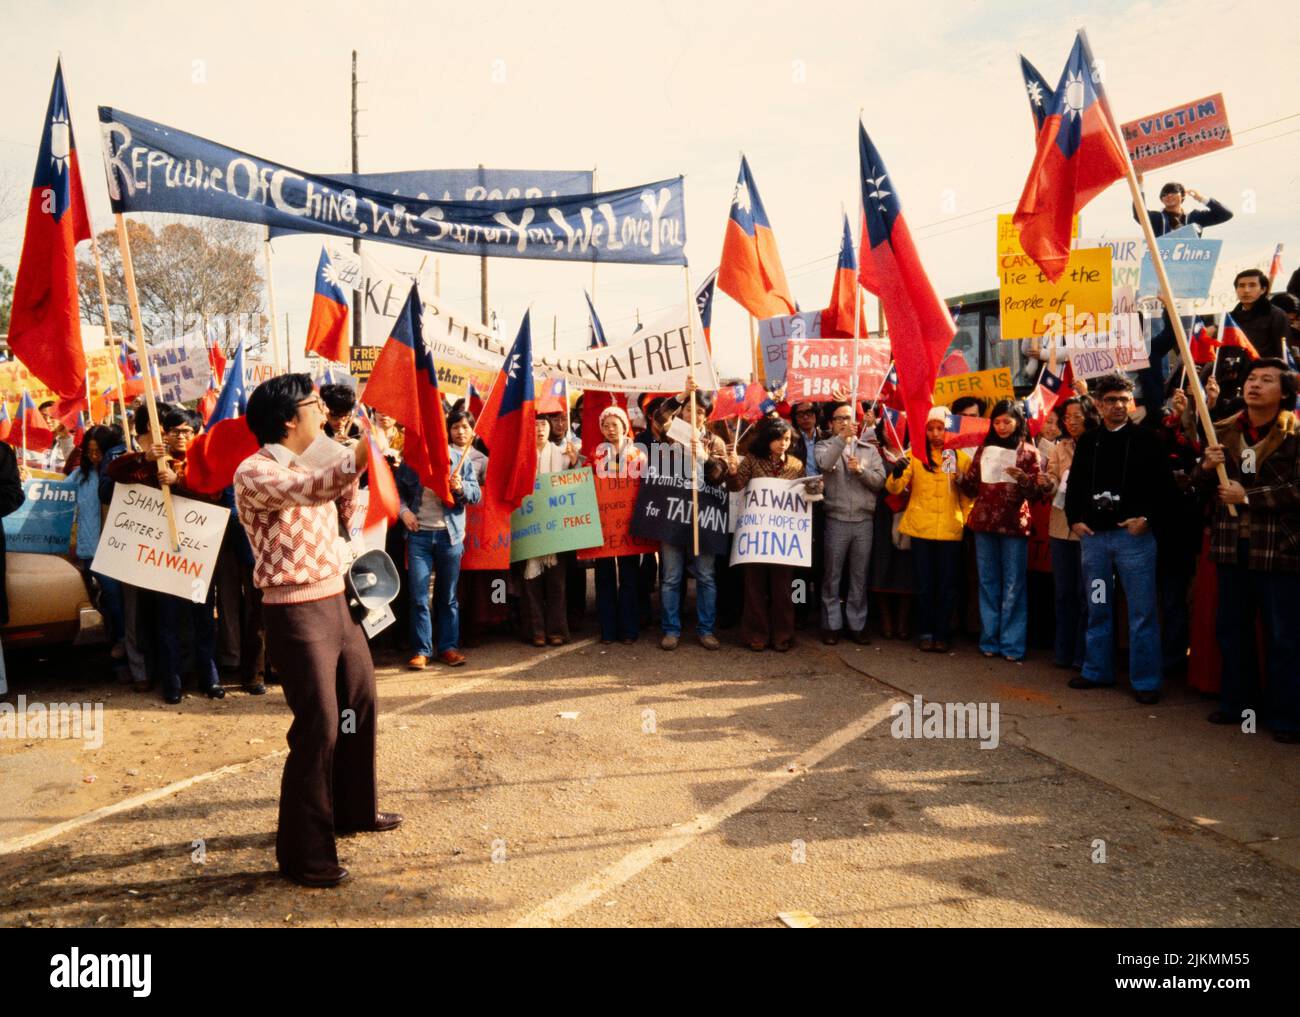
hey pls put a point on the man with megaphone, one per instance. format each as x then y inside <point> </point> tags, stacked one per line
<point>290,496</point>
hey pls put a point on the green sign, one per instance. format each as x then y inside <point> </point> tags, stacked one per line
<point>560,515</point>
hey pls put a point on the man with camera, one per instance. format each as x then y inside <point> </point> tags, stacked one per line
<point>1119,483</point>
<point>290,504</point>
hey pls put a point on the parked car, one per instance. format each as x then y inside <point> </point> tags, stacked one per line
<point>49,603</point>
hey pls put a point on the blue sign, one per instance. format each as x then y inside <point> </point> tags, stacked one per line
<point>42,524</point>
<point>1189,263</point>
<point>154,168</point>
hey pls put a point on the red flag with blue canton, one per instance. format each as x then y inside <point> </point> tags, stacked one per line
<point>30,429</point>
<point>1077,158</point>
<point>1203,346</point>
<point>750,271</point>
<point>595,403</point>
<point>964,431</point>
<point>1038,92</point>
<point>6,421</point>
<point>383,502</point>
<point>1042,400</point>
<point>1232,335</point>
<point>404,384</point>
<point>837,319</point>
<point>739,400</point>
<point>45,320</point>
<point>509,425</point>
<point>920,327</point>
<point>704,301</point>
<point>226,441</point>
<point>327,331</point>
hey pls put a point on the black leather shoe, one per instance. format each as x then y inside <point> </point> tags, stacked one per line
<point>256,688</point>
<point>1080,682</point>
<point>317,880</point>
<point>862,637</point>
<point>383,821</point>
<point>830,637</point>
<point>216,692</point>
<point>1147,698</point>
<point>172,697</point>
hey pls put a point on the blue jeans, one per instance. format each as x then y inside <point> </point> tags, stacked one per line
<point>1275,597</point>
<point>1071,620</point>
<point>1134,559</point>
<point>1003,563</point>
<point>937,564</point>
<point>431,551</point>
<point>171,611</point>
<point>618,582</point>
<point>673,562</point>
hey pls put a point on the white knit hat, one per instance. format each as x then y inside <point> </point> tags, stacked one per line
<point>939,413</point>
<point>614,411</point>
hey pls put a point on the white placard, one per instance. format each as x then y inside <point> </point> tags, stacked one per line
<point>775,524</point>
<point>134,546</point>
<point>994,462</point>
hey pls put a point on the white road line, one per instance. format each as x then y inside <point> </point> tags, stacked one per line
<point>127,804</point>
<point>589,890</point>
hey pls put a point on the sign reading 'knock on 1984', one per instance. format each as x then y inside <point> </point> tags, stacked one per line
<point>775,525</point>
<point>134,546</point>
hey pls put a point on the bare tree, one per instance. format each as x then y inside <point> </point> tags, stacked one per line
<point>190,274</point>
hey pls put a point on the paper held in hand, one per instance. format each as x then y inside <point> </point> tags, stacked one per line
<point>994,462</point>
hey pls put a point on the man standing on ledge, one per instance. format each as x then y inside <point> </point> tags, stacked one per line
<point>290,507</point>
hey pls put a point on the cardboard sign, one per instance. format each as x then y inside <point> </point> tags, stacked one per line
<point>15,379</point>
<point>663,508</point>
<point>775,525</point>
<point>487,535</point>
<point>1189,263</point>
<point>815,368</point>
<point>616,498</point>
<point>42,524</point>
<point>256,371</point>
<point>560,515</point>
<point>987,385</point>
<point>361,361</point>
<point>1126,256</point>
<point>1030,304</point>
<point>1009,236</point>
<point>135,548</point>
<point>1176,134</point>
<point>774,335</point>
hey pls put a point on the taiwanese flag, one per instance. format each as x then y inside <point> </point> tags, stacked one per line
<point>30,430</point>
<point>962,431</point>
<point>704,302</point>
<point>45,323</point>
<point>226,441</point>
<point>1232,335</point>
<point>1077,158</point>
<point>404,384</point>
<point>595,403</point>
<point>744,401</point>
<point>1038,91</point>
<point>327,331</point>
<point>750,271</point>
<point>6,421</point>
<point>837,319</point>
<point>509,425</point>
<point>1202,345</point>
<point>895,426</point>
<point>1042,400</point>
<point>384,503</point>
<point>1275,266</point>
<point>920,327</point>
<point>474,400</point>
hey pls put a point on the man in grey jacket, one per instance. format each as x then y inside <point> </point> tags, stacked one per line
<point>853,473</point>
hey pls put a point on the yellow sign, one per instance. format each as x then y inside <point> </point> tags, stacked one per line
<point>987,385</point>
<point>1031,306</point>
<point>1009,236</point>
<point>453,379</point>
<point>15,379</point>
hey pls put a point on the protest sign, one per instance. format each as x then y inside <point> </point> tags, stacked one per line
<point>134,546</point>
<point>616,499</point>
<point>361,537</point>
<point>817,367</point>
<point>155,168</point>
<point>487,535</point>
<point>42,524</point>
<point>1182,132</point>
<point>774,335</point>
<point>663,505</point>
<point>775,525</point>
<point>560,515</point>
<point>656,358</point>
<point>1189,264</point>
<point>1009,235</point>
<point>1126,256</point>
<point>361,361</point>
<point>987,385</point>
<point>1031,305</point>
<point>256,371</point>
<point>15,379</point>
<point>184,369</point>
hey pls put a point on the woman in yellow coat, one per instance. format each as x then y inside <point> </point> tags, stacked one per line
<point>934,519</point>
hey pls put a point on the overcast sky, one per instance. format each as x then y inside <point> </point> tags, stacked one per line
<point>646,91</point>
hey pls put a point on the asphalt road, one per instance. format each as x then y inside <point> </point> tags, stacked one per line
<point>625,786</point>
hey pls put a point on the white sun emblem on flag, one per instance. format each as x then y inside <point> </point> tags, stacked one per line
<point>879,194</point>
<point>330,273</point>
<point>60,141</point>
<point>741,198</point>
<point>1076,93</point>
<point>513,369</point>
<point>1035,92</point>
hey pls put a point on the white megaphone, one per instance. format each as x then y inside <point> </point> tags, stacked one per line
<point>372,583</point>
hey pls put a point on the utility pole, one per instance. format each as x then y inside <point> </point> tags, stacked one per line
<point>356,243</point>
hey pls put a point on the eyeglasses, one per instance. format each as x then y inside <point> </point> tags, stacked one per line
<point>842,419</point>
<point>313,401</point>
<point>180,432</point>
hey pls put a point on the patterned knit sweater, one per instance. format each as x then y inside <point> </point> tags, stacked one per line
<point>292,521</point>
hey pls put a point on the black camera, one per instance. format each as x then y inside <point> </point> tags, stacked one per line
<point>1105,502</point>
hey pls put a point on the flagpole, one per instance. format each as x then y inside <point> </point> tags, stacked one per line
<point>112,343</point>
<point>1166,291</point>
<point>753,353</point>
<point>270,304</point>
<point>695,430</point>
<point>155,430</point>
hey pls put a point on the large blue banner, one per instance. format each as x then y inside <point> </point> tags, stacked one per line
<point>42,524</point>
<point>154,168</point>
<point>468,185</point>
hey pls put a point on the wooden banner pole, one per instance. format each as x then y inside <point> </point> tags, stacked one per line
<point>695,430</point>
<point>1166,291</point>
<point>112,343</point>
<point>270,304</point>
<point>155,425</point>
